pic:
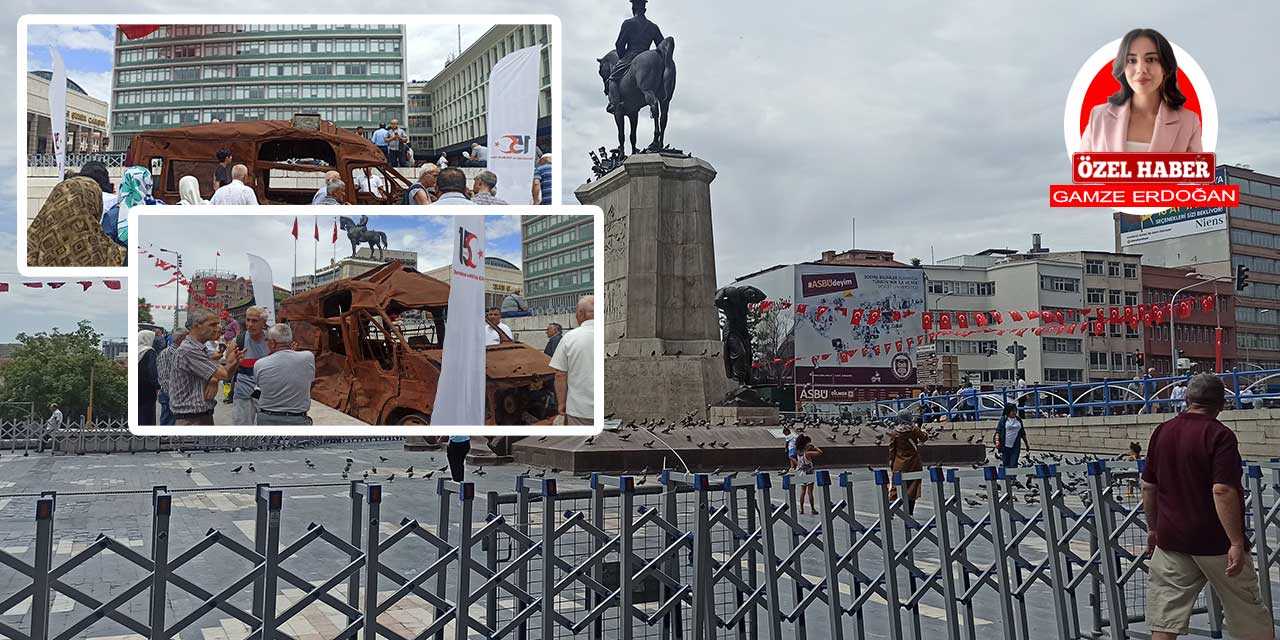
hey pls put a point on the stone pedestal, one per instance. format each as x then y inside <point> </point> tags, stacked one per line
<point>744,416</point>
<point>661,327</point>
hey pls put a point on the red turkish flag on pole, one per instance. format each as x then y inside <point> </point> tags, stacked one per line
<point>317,222</point>
<point>135,31</point>
<point>335,232</point>
<point>295,227</point>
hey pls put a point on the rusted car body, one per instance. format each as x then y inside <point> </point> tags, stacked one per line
<point>378,340</point>
<point>267,148</point>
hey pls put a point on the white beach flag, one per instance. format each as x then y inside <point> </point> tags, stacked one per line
<point>513,122</point>
<point>460,391</point>
<point>263,292</point>
<point>58,111</point>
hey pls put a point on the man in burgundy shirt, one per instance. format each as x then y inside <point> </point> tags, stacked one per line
<point>1194,503</point>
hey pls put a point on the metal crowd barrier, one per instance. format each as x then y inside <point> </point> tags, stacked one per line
<point>30,437</point>
<point>77,160</point>
<point>1245,390</point>
<point>680,556</point>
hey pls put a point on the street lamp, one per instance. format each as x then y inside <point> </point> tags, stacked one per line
<point>177,286</point>
<point>1173,348</point>
<point>1246,342</point>
<point>1011,357</point>
<point>938,299</point>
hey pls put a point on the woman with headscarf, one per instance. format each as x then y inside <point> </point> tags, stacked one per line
<point>189,191</point>
<point>135,191</point>
<point>148,378</point>
<point>67,231</point>
<point>904,455</point>
<point>98,171</point>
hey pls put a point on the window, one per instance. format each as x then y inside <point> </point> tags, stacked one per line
<point>249,113</point>
<point>351,91</point>
<point>384,45</point>
<point>221,115</point>
<point>374,342</point>
<point>1131,298</point>
<point>962,288</point>
<point>282,92</point>
<point>352,68</point>
<point>282,46</point>
<point>1059,283</point>
<point>251,48</point>
<point>217,94</point>
<point>317,69</point>
<point>155,117</point>
<point>1096,296</point>
<point>1130,270</point>
<point>1063,375</point>
<point>1098,361</point>
<point>1061,345</point>
<point>186,116</point>
<point>317,91</point>
<point>351,114</point>
<point>1093,267</point>
<point>384,68</point>
<point>251,70</point>
<point>251,92</point>
<point>212,71</point>
<point>383,90</point>
<point>186,51</point>
<point>190,94</point>
<point>1114,330</point>
<point>217,49</point>
<point>1130,331</point>
<point>1114,297</point>
<point>967,347</point>
<point>317,46</point>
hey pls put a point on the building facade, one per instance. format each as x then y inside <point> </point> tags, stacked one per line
<point>420,123</point>
<point>352,266</point>
<point>458,105</point>
<point>1218,242</point>
<point>501,278</point>
<point>188,74</point>
<point>992,281</point>
<point>87,130</point>
<point>1196,337</point>
<point>559,257</point>
<point>1110,280</point>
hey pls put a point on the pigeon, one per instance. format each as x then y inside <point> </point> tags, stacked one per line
<point>188,470</point>
<point>589,441</point>
<point>649,444</point>
<point>391,478</point>
<point>251,469</point>
<point>237,469</point>
<point>479,471</point>
<point>373,470</point>
<point>344,475</point>
<point>624,437</point>
<point>409,470</point>
<point>382,459</point>
<point>349,461</point>
<point>444,468</point>
<point>366,475</point>
<point>427,475</point>
<point>543,439</point>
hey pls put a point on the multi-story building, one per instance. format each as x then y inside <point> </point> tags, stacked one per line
<point>458,105</point>
<point>1195,337</point>
<point>352,266</point>
<point>185,74</point>
<point>1110,280</point>
<point>994,280</point>
<point>558,258</point>
<point>501,278</point>
<point>1215,242</point>
<point>420,123</point>
<point>86,117</point>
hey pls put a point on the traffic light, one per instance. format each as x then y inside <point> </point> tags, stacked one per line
<point>1139,358</point>
<point>1242,277</point>
<point>1022,351</point>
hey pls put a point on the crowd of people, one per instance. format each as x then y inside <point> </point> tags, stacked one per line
<point>267,379</point>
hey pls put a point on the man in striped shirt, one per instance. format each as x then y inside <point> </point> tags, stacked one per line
<point>164,366</point>
<point>195,376</point>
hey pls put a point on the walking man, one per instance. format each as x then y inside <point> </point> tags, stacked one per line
<point>575,357</point>
<point>222,173</point>
<point>397,138</point>
<point>379,139</point>
<point>284,380</point>
<point>1194,503</point>
<point>237,192</point>
<point>196,376</point>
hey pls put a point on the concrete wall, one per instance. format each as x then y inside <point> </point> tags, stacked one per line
<point>532,330</point>
<point>1258,431</point>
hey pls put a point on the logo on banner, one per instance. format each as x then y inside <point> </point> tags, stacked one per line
<point>902,366</point>
<point>513,144</point>
<point>466,255</point>
<point>821,283</point>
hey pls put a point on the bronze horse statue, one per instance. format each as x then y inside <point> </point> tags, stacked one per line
<point>651,81</point>
<point>358,234</point>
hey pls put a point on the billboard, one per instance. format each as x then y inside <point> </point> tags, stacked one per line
<point>1173,223</point>
<point>885,363</point>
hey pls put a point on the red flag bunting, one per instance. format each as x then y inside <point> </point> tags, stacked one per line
<point>33,285</point>
<point>85,283</point>
<point>295,227</point>
<point>55,285</point>
<point>1015,316</point>
<point>113,285</point>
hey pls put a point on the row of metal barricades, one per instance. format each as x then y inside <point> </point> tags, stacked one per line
<point>1042,552</point>
<point>28,437</point>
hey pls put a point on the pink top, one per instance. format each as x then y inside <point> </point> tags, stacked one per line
<point>1176,130</point>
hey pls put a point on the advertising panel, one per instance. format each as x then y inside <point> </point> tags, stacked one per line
<point>1173,223</point>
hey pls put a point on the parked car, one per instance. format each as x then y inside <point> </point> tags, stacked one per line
<point>379,338</point>
<point>269,149</point>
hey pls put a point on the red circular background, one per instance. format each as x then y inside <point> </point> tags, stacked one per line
<point>1104,84</point>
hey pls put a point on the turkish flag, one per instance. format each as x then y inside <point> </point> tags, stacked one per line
<point>56,285</point>
<point>926,320</point>
<point>826,356</point>
<point>33,285</point>
<point>855,318</point>
<point>898,345</point>
<point>764,306</point>
<point>1059,317</point>
<point>944,321</point>
<point>843,311</point>
<point>295,227</point>
<point>317,223</point>
<point>980,319</point>
<point>1015,316</point>
<point>1099,328</point>
<point>1184,309</point>
<point>85,283</point>
<point>962,319</point>
<point>135,31</point>
<point>1071,328</point>
<point>1146,319</point>
<point>1114,318</point>
<point>897,316</point>
<point>1208,303</point>
<point>996,317</point>
<point>1033,314</point>
<point>873,317</point>
<point>113,285</point>
<point>800,308</point>
<point>335,232</point>
<point>821,310</point>
<point>1020,332</point>
<point>210,287</point>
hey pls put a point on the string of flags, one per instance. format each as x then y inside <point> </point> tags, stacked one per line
<point>85,285</point>
<point>181,279</point>
<point>1145,314</point>
<point>969,323</point>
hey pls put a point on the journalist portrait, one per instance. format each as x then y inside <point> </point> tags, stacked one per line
<point>1147,113</point>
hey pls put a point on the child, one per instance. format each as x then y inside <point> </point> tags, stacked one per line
<point>1134,455</point>
<point>790,438</point>
<point>806,452</point>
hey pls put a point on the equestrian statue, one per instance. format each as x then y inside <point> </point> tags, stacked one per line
<point>636,76</point>
<point>360,234</point>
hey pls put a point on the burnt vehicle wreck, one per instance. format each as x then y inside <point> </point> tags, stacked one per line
<point>271,150</point>
<point>379,338</point>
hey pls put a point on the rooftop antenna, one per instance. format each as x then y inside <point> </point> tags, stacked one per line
<point>459,40</point>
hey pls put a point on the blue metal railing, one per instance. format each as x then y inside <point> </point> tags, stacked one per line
<point>1245,390</point>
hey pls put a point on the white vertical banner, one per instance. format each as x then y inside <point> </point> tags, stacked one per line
<point>513,122</point>
<point>263,292</point>
<point>58,111</point>
<point>460,391</point>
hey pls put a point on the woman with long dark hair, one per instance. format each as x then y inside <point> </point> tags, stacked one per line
<point>1011,435</point>
<point>1147,113</point>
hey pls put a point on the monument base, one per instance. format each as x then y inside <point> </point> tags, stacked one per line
<point>744,416</point>
<point>638,387</point>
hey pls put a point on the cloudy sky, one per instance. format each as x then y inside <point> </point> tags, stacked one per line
<point>937,125</point>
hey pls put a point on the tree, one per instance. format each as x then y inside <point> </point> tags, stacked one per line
<point>144,312</point>
<point>770,335</point>
<point>915,262</point>
<point>53,367</point>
